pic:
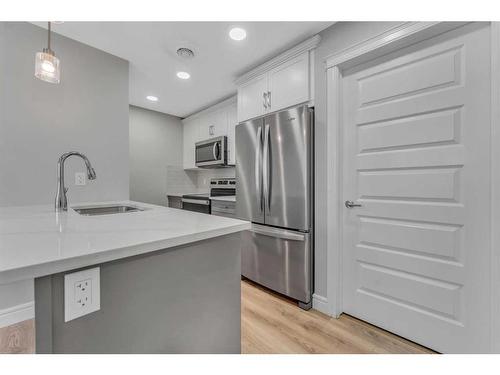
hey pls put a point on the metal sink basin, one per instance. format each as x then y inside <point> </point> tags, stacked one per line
<point>106,210</point>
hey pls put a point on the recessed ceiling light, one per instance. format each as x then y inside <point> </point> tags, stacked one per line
<point>185,53</point>
<point>237,33</point>
<point>183,75</point>
<point>152,98</point>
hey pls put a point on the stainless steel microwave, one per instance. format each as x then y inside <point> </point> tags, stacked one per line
<point>211,153</point>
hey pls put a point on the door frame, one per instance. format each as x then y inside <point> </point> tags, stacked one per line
<point>401,36</point>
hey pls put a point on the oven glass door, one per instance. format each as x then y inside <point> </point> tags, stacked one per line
<point>196,207</point>
<point>210,152</point>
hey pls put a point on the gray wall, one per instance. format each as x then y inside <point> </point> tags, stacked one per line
<point>87,111</point>
<point>155,143</point>
<point>334,39</point>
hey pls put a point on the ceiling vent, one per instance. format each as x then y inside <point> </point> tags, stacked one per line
<point>185,53</point>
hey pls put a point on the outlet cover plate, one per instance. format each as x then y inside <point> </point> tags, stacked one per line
<point>80,179</point>
<point>82,294</point>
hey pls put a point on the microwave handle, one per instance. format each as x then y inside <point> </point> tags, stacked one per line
<point>215,151</point>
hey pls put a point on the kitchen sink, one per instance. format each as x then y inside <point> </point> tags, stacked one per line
<point>106,210</point>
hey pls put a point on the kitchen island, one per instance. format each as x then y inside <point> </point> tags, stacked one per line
<point>169,279</point>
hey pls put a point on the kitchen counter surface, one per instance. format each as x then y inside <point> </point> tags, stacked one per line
<point>36,241</point>
<point>185,192</point>
<point>226,198</point>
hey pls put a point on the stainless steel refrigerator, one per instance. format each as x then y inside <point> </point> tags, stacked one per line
<point>274,190</point>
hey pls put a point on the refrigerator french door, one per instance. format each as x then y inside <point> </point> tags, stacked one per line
<point>274,191</point>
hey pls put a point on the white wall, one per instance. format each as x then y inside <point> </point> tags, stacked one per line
<point>334,39</point>
<point>87,112</point>
<point>155,144</point>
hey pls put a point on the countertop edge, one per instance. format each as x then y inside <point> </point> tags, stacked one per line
<point>49,268</point>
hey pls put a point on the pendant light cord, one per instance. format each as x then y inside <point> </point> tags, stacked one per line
<point>49,36</point>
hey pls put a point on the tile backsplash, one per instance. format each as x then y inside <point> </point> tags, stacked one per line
<point>180,181</point>
<point>205,175</point>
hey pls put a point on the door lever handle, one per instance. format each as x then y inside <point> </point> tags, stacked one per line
<point>351,204</point>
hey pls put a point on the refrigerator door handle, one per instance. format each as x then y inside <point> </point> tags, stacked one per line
<point>267,170</point>
<point>258,169</point>
<point>279,233</point>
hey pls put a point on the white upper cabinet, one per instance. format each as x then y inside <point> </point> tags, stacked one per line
<point>232,121</point>
<point>289,83</point>
<point>252,98</point>
<point>190,137</point>
<point>282,82</point>
<point>213,124</point>
<point>216,121</point>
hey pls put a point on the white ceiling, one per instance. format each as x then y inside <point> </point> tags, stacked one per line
<point>150,47</point>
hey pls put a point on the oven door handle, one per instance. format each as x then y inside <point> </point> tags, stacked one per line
<point>196,201</point>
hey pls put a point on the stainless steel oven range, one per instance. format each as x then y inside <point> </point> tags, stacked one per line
<point>196,203</point>
<point>223,197</point>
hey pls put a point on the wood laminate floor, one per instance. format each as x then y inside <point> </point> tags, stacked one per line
<point>18,338</point>
<point>272,324</point>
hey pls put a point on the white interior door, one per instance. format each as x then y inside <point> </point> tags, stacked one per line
<point>416,137</point>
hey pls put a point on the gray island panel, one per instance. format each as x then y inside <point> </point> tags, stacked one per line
<point>184,299</point>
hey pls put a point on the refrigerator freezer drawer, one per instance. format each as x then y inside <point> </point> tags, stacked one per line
<point>278,259</point>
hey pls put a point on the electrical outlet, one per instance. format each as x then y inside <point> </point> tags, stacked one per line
<point>81,293</point>
<point>80,179</point>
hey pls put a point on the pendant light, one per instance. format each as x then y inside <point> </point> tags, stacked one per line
<point>47,66</point>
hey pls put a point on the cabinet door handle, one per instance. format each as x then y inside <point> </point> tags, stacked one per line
<point>264,102</point>
<point>269,99</point>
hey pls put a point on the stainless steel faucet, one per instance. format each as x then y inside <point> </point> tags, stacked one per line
<point>61,199</point>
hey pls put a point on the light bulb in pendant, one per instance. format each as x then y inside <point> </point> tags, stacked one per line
<point>48,67</point>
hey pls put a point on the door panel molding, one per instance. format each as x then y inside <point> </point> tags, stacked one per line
<point>403,36</point>
<point>495,186</point>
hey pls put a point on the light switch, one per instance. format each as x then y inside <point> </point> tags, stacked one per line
<point>82,293</point>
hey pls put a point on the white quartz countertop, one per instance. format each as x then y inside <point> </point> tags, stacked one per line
<point>36,241</point>
<point>181,193</point>
<point>225,198</point>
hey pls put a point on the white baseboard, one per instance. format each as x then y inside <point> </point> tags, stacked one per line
<point>16,314</point>
<point>320,303</point>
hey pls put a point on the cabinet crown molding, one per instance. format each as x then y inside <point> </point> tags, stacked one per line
<point>306,45</point>
<point>215,107</point>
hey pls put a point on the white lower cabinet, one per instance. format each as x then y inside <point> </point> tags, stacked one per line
<point>216,121</point>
